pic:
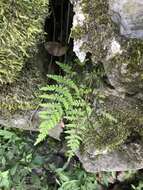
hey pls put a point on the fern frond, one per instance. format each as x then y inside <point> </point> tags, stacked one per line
<point>49,105</point>
<point>44,127</point>
<point>48,124</point>
<point>65,67</point>
<point>65,81</point>
<point>73,142</point>
<point>49,88</point>
<point>63,101</point>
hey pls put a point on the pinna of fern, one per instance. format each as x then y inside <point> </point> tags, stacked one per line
<point>63,101</point>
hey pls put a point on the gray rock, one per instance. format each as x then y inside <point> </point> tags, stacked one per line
<point>102,154</point>
<point>78,20</point>
<point>129,15</point>
<point>122,59</point>
<point>30,122</point>
<point>125,74</point>
<point>130,158</point>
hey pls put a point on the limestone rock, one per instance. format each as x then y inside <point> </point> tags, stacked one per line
<point>30,121</point>
<point>115,49</point>
<point>117,119</point>
<point>79,20</point>
<point>129,15</point>
<point>114,120</point>
<point>129,158</point>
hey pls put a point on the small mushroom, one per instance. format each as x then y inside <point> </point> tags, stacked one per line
<point>55,48</point>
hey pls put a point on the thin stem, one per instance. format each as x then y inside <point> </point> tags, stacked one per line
<point>61,37</point>
<point>68,19</point>
<point>54,18</point>
<point>67,28</point>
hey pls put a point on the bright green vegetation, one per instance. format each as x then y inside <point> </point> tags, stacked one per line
<point>24,166</point>
<point>65,100</point>
<point>20,24</point>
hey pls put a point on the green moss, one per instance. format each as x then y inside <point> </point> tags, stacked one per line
<point>21,95</point>
<point>132,54</point>
<point>127,67</point>
<point>98,28</point>
<point>108,135</point>
<point>20,24</point>
<point>117,120</point>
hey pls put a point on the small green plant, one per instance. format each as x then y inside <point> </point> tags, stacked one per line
<point>139,187</point>
<point>64,100</point>
<point>77,179</point>
<point>20,160</point>
<point>4,179</point>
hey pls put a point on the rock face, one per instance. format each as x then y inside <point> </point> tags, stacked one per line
<point>125,70</point>
<point>129,157</point>
<point>128,14</point>
<point>29,121</point>
<point>112,32</point>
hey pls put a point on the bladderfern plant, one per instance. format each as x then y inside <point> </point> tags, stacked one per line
<point>64,100</point>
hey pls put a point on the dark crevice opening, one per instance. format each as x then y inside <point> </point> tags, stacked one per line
<point>59,23</point>
<point>57,32</point>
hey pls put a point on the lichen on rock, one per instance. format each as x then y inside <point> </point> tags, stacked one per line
<point>119,118</point>
<point>125,70</point>
<point>129,16</point>
<point>96,29</point>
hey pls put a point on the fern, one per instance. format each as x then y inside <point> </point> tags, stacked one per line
<point>64,101</point>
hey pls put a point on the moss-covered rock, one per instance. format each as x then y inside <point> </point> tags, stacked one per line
<point>96,29</point>
<point>20,24</point>
<point>117,118</point>
<point>21,60</point>
<point>125,70</point>
<point>114,120</point>
<point>22,94</point>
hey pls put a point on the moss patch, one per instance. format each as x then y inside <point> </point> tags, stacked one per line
<point>113,121</point>
<point>20,23</point>
<point>98,28</point>
<point>22,94</point>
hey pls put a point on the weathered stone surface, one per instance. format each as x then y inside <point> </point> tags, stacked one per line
<point>117,120</point>
<point>130,157</point>
<point>30,121</point>
<point>125,71</point>
<point>79,20</point>
<point>128,14</point>
<point>114,120</point>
